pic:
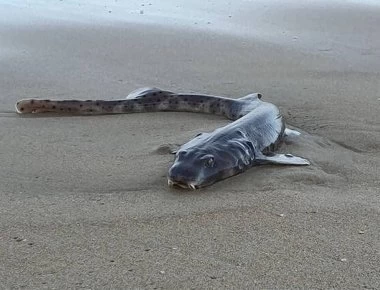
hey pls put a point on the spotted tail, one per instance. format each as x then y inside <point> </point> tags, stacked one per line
<point>36,106</point>
<point>150,101</point>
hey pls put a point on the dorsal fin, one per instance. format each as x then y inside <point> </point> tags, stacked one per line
<point>136,94</point>
<point>249,103</point>
<point>251,97</point>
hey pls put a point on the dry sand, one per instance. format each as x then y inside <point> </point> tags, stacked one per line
<point>84,201</point>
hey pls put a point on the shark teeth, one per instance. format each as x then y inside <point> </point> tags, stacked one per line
<point>191,186</point>
<point>170,183</point>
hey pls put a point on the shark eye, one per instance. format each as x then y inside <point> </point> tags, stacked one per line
<point>181,153</point>
<point>209,162</point>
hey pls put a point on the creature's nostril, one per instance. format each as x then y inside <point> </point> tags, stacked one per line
<point>259,96</point>
<point>176,175</point>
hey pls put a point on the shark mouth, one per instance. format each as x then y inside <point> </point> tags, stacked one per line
<point>191,186</point>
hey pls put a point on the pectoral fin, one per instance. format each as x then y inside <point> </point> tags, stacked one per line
<point>290,132</point>
<point>285,159</point>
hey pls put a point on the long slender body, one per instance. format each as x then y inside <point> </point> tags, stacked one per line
<point>144,100</point>
<point>257,130</point>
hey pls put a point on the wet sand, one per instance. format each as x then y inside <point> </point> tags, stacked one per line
<point>84,201</point>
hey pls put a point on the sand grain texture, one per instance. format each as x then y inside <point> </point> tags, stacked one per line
<point>84,201</point>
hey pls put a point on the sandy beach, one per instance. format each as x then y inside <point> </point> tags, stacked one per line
<point>84,200</point>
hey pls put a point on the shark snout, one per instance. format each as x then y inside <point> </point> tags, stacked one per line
<point>182,177</point>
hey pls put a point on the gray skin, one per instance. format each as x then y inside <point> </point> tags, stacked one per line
<point>250,140</point>
<point>232,149</point>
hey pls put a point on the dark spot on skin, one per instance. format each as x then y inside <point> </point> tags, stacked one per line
<point>201,101</point>
<point>97,103</point>
<point>218,105</point>
<point>185,99</point>
<point>176,102</point>
<point>53,107</point>
<point>119,101</point>
<point>90,110</point>
<point>81,105</point>
<point>154,94</point>
<point>43,106</point>
<point>21,109</point>
<point>158,100</point>
<point>170,102</point>
<point>110,107</point>
<point>32,101</point>
<point>69,109</point>
<point>61,109</point>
